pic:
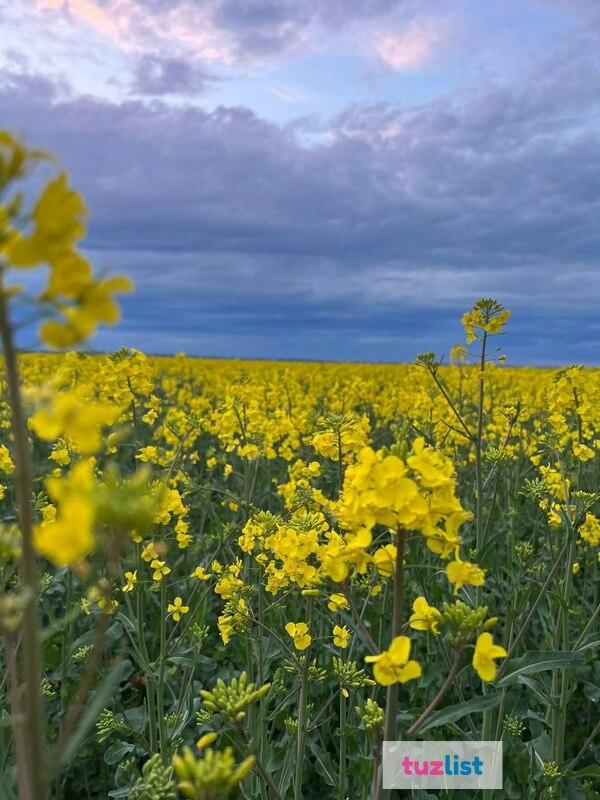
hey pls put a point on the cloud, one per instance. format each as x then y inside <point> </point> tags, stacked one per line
<point>245,240</point>
<point>87,11</point>
<point>166,76</point>
<point>413,47</point>
<point>228,32</point>
<point>180,29</point>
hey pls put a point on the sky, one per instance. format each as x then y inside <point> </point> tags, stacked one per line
<point>325,179</point>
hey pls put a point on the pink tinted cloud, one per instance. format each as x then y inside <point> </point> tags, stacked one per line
<point>132,26</point>
<point>86,11</point>
<point>413,47</point>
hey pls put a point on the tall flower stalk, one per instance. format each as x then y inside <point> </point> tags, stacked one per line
<point>36,786</point>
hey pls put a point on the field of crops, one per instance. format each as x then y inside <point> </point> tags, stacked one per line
<point>227,578</point>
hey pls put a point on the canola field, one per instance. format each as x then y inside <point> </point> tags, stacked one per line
<point>229,534</point>
<point>237,579</point>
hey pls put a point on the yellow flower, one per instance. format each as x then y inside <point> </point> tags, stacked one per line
<point>341,636</point>
<point>384,559</point>
<point>181,526</point>
<point>61,456</point>
<point>590,530</point>
<point>183,537</point>
<point>299,633</point>
<point>425,617</point>
<point>95,304</point>
<point>112,440</point>
<point>393,666</point>
<point>147,454</point>
<point>149,552</point>
<point>79,419</point>
<point>183,540</point>
<point>483,657</point>
<point>200,574</point>
<point>583,452</point>
<point>348,434</point>
<point>462,572</point>
<point>337,602</point>
<point>177,609</point>
<point>433,468</point>
<point>131,580</point>
<point>107,605</point>
<point>160,569</point>
<point>69,536</point>
<point>48,513</point>
<point>228,585</point>
<point>249,451</point>
<point>486,315</point>
<point>58,223</point>
<point>236,617</point>
<point>6,464</point>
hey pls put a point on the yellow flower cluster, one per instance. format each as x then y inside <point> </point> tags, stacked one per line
<point>342,437</point>
<point>56,223</point>
<point>486,316</point>
<point>67,534</point>
<point>416,493</point>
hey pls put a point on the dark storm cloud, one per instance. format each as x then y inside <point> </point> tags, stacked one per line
<point>369,242</point>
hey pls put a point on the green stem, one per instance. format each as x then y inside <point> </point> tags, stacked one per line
<point>150,694</point>
<point>302,703</point>
<point>31,661</point>
<point>541,594</point>
<point>478,448</point>
<point>342,759</point>
<point>258,763</point>
<point>585,746</point>
<point>17,718</point>
<point>417,724</point>
<point>559,752</point>
<point>141,632</point>
<point>391,706</point>
<point>391,710</point>
<point>340,461</point>
<point>65,640</point>
<point>588,626</point>
<point>160,695</point>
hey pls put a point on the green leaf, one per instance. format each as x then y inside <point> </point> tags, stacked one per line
<point>559,600</point>
<point>287,772</point>
<point>534,661</point>
<point>181,661</point>
<point>323,763</point>
<point>486,554</point>
<point>96,703</point>
<point>542,745</point>
<point>588,646</point>
<point>592,771</point>
<point>117,751</point>
<point>536,687</point>
<point>453,713</point>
